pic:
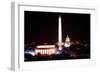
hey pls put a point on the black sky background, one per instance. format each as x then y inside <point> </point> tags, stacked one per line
<point>77,26</point>
<point>42,27</point>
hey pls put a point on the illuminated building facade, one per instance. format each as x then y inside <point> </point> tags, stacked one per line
<point>67,42</point>
<point>45,50</point>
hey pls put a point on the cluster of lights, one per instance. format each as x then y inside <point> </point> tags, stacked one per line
<point>45,49</point>
<point>48,51</point>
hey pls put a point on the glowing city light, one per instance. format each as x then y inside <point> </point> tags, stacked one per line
<point>67,42</point>
<point>60,34</point>
<point>45,46</point>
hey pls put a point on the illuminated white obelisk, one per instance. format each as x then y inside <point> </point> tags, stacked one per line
<point>60,34</point>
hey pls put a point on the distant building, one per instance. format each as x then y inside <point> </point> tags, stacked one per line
<point>45,50</point>
<point>67,42</point>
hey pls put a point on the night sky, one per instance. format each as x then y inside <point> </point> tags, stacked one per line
<point>42,27</point>
<point>77,26</point>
